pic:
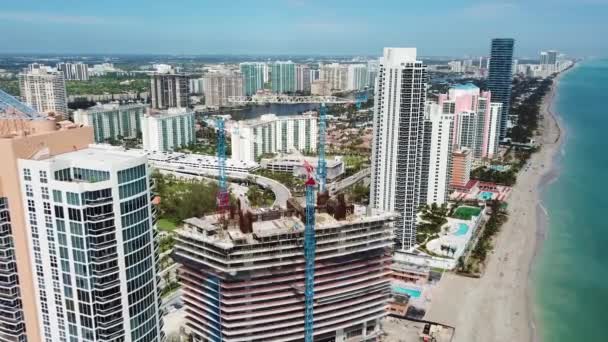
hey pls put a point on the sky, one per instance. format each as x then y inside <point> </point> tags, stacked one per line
<point>301,27</point>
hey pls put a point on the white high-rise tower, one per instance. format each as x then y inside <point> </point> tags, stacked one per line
<point>398,140</point>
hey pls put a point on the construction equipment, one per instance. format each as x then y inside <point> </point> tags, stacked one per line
<point>309,254</point>
<point>223,197</point>
<point>322,164</point>
<point>11,108</point>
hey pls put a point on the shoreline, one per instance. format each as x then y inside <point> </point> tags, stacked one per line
<point>500,306</point>
<point>550,176</point>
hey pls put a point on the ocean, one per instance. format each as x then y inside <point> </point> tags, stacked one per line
<point>571,273</point>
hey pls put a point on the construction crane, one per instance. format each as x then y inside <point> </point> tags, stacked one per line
<point>309,255</point>
<point>223,198</point>
<point>11,108</point>
<point>322,164</point>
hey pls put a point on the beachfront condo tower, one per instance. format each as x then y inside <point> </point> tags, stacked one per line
<point>397,147</point>
<point>500,76</point>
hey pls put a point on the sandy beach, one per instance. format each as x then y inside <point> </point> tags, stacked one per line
<point>498,307</point>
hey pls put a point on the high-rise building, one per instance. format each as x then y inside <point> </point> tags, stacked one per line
<point>271,134</point>
<point>74,71</point>
<point>246,282</point>
<point>303,78</point>
<point>196,86</point>
<point>112,121</point>
<point>462,160</point>
<point>91,246</point>
<point>473,124</point>
<point>20,315</point>
<point>437,155</point>
<point>357,77</point>
<point>218,87</point>
<point>169,91</point>
<point>44,91</point>
<point>167,130</point>
<point>500,77</point>
<point>253,77</point>
<point>372,72</point>
<point>494,132</point>
<point>283,77</point>
<point>397,147</point>
<point>336,75</point>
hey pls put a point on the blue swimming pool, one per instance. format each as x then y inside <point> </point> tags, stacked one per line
<point>463,228</point>
<point>485,195</point>
<point>413,293</point>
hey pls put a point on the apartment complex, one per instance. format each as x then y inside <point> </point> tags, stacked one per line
<point>26,139</point>
<point>475,121</point>
<point>74,71</point>
<point>336,76</point>
<point>462,160</point>
<point>90,226</point>
<point>357,77</point>
<point>253,77</point>
<point>44,91</point>
<point>437,155</point>
<point>271,134</point>
<point>168,129</point>
<point>397,147</point>
<point>112,121</point>
<point>218,87</point>
<point>283,77</point>
<point>303,78</point>
<point>169,90</point>
<point>500,76</point>
<point>245,282</point>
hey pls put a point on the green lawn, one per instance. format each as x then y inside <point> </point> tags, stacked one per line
<point>465,213</point>
<point>166,225</point>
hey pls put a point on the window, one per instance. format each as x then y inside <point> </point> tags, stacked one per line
<point>73,198</point>
<point>45,192</point>
<point>28,190</point>
<point>27,174</point>
<point>57,196</point>
<point>43,178</point>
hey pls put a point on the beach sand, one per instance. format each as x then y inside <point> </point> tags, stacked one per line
<point>499,306</point>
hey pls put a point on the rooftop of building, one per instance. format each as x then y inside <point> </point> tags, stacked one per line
<point>99,157</point>
<point>167,113</point>
<point>102,107</point>
<point>297,159</point>
<point>466,86</point>
<point>190,158</point>
<point>270,223</point>
<point>265,118</point>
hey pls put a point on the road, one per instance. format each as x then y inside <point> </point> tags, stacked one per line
<point>349,181</point>
<point>281,192</point>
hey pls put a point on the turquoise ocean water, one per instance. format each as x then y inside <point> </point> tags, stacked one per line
<point>571,274</point>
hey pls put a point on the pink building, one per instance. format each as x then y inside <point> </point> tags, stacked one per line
<point>475,132</point>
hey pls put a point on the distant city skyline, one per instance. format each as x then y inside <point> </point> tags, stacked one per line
<point>301,27</point>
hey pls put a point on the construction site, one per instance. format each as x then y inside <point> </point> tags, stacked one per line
<point>310,271</point>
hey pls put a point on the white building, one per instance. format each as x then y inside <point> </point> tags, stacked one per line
<point>357,78</point>
<point>271,134</point>
<point>218,87</point>
<point>494,132</point>
<point>399,107</point>
<point>112,120</point>
<point>74,71</point>
<point>44,91</point>
<point>90,229</point>
<point>335,74</point>
<point>437,156</point>
<point>294,164</point>
<point>168,129</point>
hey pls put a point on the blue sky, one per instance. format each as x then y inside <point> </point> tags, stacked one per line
<point>439,27</point>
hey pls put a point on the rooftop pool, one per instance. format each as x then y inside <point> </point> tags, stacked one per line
<point>463,229</point>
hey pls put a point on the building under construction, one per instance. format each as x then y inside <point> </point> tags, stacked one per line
<point>243,276</point>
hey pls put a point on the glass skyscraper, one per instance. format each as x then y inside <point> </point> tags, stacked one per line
<point>500,76</point>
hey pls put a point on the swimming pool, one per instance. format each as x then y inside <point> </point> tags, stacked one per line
<point>463,228</point>
<point>413,293</point>
<point>485,195</point>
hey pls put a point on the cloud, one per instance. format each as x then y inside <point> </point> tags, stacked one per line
<point>36,17</point>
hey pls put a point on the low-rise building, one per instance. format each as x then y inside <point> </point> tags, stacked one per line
<point>295,165</point>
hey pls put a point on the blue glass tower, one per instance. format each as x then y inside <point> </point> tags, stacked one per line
<point>500,76</point>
